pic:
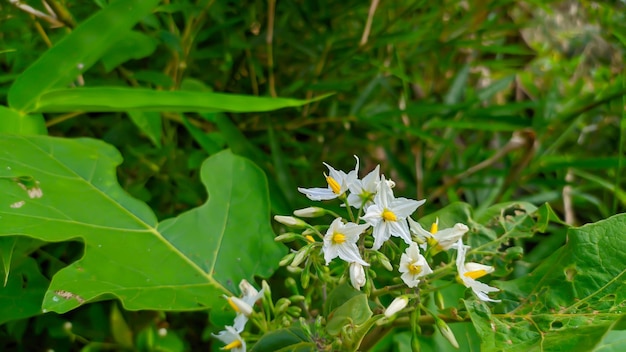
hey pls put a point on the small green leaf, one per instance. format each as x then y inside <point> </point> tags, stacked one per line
<point>149,123</point>
<point>355,312</point>
<point>289,339</point>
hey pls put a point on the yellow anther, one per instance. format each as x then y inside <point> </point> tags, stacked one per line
<point>232,345</point>
<point>233,305</point>
<point>434,227</point>
<point>388,215</point>
<point>334,185</point>
<point>338,238</point>
<point>415,269</point>
<point>476,274</point>
<point>309,238</point>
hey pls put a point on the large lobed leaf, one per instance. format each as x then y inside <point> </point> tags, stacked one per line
<point>569,303</point>
<point>183,263</point>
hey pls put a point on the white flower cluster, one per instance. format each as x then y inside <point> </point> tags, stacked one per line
<point>243,306</point>
<point>388,216</point>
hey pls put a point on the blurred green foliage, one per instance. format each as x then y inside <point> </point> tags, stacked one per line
<point>479,101</point>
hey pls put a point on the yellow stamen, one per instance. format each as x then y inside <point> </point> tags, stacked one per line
<point>309,238</point>
<point>434,227</point>
<point>415,269</point>
<point>338,238</point>
<point>234,344</point>
<point>476,274</point>
<point>233,305</point>
<point>334,185</point>
<point>388,215</point>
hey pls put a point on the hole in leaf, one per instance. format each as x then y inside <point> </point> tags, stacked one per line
<point>556,325</point>
<point>570,273</point>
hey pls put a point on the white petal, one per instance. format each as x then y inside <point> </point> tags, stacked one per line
<point>404,207</point>
<point>357,275</point>
<point>318,193</point>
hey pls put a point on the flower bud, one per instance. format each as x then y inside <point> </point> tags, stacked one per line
<point>439,300</point>
<point>294,311</point>
<point>305,277</point>
<point>357,275</point>
<point>287,259</point>
<point>281,306</point>
<point>397,305</point>
<point>287,237</point>
<point>297,298</point>
<point>301,256</point>
<point>310,212</point>
<point>384,261</point>
<point>290,221</point>
<point>446,332</point>
<point>267,293</point>
<point>294,269</point>
<point>291,284</point>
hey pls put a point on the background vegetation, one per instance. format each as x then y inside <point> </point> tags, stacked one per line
<point>475,101</point>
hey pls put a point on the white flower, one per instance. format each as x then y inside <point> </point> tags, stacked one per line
<point>232,339</point>
<point>388,215</point>
<point>338,183</point>
<point>413,265</point>
<point>340,241</point>
<point>243,306</point>
<point>362,192</point>
<point>357,275</point>
<point>444,239</point>
<point>469,272</point>
<point>397,305</point>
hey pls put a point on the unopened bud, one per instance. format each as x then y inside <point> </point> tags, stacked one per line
<point>384,261</point>
<point>446,332</point>
<point>357,275</point>
<point>281,306</point>
<point>439,300</point>
<point>290,221</point>
<point>397,305</point>
<point>310,212</point>
<point>301,256</point>
<point>287,259</point>
<point>291,284</point>
<point>294,311</point>
<point>293,269</point>
<point>305,277</point>
<point>297,298</point>
<point>267,292</point>
<point>287,237</point>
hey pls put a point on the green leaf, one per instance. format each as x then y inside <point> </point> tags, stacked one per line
<point>76,52</point>
<point>569,302</point>
<point>106,99</point>
<point>133,45</point>
<point>355,311</point>
<point>149,123</point>
<point>14,122</point>
<point>23,293</point>
<point>288,339</point>
<point>182,263</point>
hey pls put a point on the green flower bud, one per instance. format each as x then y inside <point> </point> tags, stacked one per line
<point>281,306</point>
<point>290,221</point>
<point>287,259</point>
<point>310,212</point>
<point>287,237</point>
<point>446,332</point>
<point>384,261</point>
<point>301,256</point>
<point>294,311</point>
